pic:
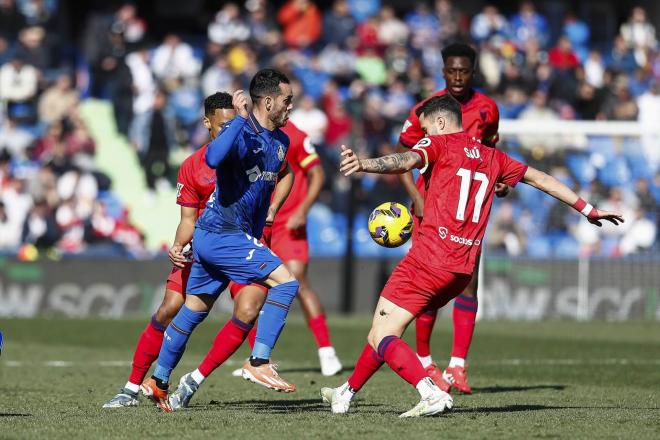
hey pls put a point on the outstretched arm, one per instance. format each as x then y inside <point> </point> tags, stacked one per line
<point>220,147</point>
<point>561,192</point>
<point>396,163</point>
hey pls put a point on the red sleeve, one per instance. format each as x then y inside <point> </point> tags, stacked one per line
<point>306,156</point>
<point>186,195</point>
<point>511,171</point>
<point>412,131</point>
<point>430,150</point>
<point>491,135</point>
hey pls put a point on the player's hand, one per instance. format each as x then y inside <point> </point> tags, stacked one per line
<point>596,217</point>
<point>297,220</point>
<point>418,203</point>
<point>502,189</point>
<point>270,217</point>
<point>349,162</point>
<point>240,103</point>
<point>177,257</point>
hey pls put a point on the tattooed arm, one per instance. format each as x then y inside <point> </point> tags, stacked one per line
<point>396,163</point>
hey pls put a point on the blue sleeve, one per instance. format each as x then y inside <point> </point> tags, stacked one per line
<point>222,145</point>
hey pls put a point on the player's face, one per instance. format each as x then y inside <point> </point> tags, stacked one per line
<point>215,121</point>
<point>432,125</point>
<point>458,73</point>
<point>281,106</point>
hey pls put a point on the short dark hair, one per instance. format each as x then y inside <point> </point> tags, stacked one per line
<point>218,100</point>
<point>443,103</point>
<point>459,50</point>
<point>267,82</point>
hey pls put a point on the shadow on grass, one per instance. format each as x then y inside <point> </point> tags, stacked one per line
<point>345,369</point>
<point>525,408</point>
<point>508,389</point>
<point>15,415</point>
<point>282,406</point>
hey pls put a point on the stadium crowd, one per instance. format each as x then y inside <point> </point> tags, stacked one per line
<point>359,66</point>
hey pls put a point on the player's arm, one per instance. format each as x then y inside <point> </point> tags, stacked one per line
<point>282,190</point>
<point>406,179</point>
<point>396,163</point>
<point>550,185</point>
<point>315,181</point>
<point>183,236</point>
<point>220,147</point>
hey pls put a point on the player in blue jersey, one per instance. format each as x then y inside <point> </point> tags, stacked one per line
<point>249,157</point>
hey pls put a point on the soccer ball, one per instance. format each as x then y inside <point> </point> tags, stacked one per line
<point>390,224</point>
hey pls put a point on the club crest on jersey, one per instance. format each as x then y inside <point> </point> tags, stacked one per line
<point>280,153</point>
<point>472,153</point>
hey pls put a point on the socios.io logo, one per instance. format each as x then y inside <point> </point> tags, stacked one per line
<point>442,232</point>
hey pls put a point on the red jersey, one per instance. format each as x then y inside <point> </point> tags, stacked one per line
<point>301,156</point>
<point>195,182</point>
<point>481,120</point>
<point>459,178</point>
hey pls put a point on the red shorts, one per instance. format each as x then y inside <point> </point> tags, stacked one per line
<point>234,288</point>
<point>286,243</point>
<point>416,288</point>
<point>178,279</point>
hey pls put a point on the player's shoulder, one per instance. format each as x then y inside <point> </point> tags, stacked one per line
<point>281,136</point>
<point>484,100</point>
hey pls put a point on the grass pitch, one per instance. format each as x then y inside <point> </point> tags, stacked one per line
<point>542,380</point>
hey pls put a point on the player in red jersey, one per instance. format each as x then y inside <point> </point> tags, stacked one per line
<point>459,176</point>
<point>480,121</point>
<point>287,237</point>
<point>195,184</point>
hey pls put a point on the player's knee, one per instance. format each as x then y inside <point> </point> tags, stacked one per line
<point>247,311</point>
<point>168,310</point>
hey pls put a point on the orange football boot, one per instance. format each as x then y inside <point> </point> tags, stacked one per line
<point>156,395</point>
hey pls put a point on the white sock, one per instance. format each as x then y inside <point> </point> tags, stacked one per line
<point>425,360</point>
<point>426,387</point>
<point>456,362</point>
<point>327,351</point>
<point>197,376</point>
<point>345,392</point>
<point>132,387</point>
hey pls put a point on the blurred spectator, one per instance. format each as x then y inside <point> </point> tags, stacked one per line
<point>40,227</point>
<point>562,56</point>
<point>391,29</point>
<point>158,139</point>
<point>129,25</point>
<point>59,100</point>
<point>217,77</point>
<point>371,68</point>
<point>640,234</point>
<point>528,24</point>
<point>301,23</point>
<point>338,24</point>
<point>639,34</point>
<point>18,81</point>
<point>488,23</point>
<point>11,20</point>
<point>310,119</point>
<point>504,233</point>
<point>620,105</point>
<point>173,62</point>
<point>594,69</point>
<point>144,83</point>
<point>14,139</point>
<point>35,50</point>
<point>539,111</point>
<point>424,26</point>
<point>577,32</point>
<point>649,109</point>
<point>450,20</point>
<point>363,9</point>
<point>621,58</point>
<point>228,26</point>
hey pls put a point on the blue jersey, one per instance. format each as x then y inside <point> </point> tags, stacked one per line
<point>247,159</point>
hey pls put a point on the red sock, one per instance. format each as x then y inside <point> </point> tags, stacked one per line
<point>146,350</point>
<point>401,359</point>
<point>368,363</point>
<point>226,342</point>
<point>465,313</point>
<point>423,329</point>
<point>252,336</point>
<point>320,331</point>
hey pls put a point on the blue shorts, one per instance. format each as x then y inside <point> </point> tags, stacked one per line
<point>228,256</point>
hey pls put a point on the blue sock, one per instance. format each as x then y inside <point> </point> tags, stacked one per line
<point>175,339</point>
<point>272,318</point>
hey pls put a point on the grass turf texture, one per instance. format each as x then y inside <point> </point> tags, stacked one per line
<point>544,380</point>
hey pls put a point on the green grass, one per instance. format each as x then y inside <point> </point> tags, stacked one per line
<point>544,380</point>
